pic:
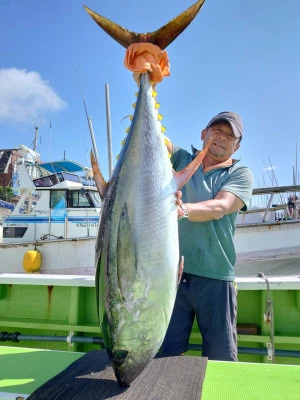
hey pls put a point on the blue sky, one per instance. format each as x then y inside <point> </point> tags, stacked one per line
<point>242,56</point>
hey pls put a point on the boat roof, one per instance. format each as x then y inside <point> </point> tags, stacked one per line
<point>63,166</point>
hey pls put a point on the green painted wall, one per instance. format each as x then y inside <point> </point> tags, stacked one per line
<point>58,310</point>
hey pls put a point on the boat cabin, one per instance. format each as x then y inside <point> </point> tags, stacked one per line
<point>55,202</point>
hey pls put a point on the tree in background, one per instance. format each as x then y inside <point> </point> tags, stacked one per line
<point>6,193</point>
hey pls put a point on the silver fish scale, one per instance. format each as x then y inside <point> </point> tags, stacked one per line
<point>155,222</point>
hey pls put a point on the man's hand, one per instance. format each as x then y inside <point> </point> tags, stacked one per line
<point>180,211</point>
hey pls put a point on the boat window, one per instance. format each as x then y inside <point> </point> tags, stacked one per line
<point>35,171</point>
<point>79,198</point>
<point>46,181</point>
<point>60,176</point>
<point>58,199</point>
<point>71,177</point>
<point>13,232</point>
<point>95,198</point>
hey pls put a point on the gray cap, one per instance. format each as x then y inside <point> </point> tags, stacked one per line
<point>232,118</point>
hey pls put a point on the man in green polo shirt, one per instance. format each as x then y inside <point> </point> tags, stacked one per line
<point>210,202</point>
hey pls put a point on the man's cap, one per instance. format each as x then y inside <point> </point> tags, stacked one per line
<point>232,118</point>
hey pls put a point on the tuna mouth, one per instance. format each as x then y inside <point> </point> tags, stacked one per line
<point>122,383</point>
<point>128,371</point>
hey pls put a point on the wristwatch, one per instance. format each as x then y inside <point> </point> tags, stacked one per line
<point>185,210</point>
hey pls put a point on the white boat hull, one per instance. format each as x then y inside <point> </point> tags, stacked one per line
<point>270,248</point>
<point>63,256</point>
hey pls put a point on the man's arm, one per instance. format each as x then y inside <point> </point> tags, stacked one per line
<point>224,203</point>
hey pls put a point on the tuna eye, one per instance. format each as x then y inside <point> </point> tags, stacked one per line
<point>119,356</point>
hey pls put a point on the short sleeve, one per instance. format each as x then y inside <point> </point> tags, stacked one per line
<point>240,183</point>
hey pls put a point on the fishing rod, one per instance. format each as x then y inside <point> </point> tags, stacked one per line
<point>108,124</point>
<point>89,120</point>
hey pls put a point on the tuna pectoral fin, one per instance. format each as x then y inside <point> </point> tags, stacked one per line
<point>100,181</point>
<point>126,259</point>
<point>184,175</point>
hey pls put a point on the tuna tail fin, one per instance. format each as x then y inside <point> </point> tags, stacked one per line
<point>100,181</point>
<point>161,38</point>
<point>184,175</point>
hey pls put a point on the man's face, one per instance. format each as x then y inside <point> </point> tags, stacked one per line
<point>223,144</point>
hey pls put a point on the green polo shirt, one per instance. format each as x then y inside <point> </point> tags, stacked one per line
<point>208,247</point>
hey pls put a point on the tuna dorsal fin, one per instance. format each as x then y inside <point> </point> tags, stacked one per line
<point>184,175</point>
<point>100,181</point>
<point>161,38</point>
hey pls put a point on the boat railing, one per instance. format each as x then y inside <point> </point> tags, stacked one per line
<point>88,182</point>
<point>272,212</point>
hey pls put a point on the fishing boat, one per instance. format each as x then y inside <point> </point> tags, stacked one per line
<point>268,234</point>
<point>56,215</point>
<point>53,316</point>
<point>51,319</point>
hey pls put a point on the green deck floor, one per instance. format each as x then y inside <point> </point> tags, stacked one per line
<point>23,370</point>
<point>249,381</point>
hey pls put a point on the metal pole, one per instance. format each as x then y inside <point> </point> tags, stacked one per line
<point>108,124</point>
<point>35,138</point>
<point>17,336</point>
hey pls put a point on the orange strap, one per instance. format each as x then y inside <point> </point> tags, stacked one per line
<point>142,57</point>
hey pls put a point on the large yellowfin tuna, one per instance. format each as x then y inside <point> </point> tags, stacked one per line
<point>137,252</point>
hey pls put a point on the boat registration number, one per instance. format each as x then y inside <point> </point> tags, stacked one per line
<point>87,224</point>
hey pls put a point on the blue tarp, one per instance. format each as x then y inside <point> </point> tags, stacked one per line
<point>5,204</point>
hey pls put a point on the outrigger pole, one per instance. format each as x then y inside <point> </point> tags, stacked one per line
<point>89,120</point>
<point>108,124</point>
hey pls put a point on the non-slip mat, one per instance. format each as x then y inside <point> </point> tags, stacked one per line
<point>92,377</point>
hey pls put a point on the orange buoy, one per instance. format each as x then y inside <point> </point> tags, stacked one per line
<point>32,261</point>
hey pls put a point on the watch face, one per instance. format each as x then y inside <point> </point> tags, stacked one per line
<point>184,209</point>
<point>186,213</point>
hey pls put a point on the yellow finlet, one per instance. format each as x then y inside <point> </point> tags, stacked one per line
<point>163,129</point>
<point>134,105</point>
<point>127,130</point>
<point>160,117</point>
<point>157,105</point>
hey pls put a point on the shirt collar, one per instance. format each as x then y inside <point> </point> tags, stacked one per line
<point>223,164</point>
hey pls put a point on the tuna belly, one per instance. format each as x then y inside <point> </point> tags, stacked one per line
<point>137,334</point>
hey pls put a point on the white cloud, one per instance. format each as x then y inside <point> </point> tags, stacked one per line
<point>24,95</point>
